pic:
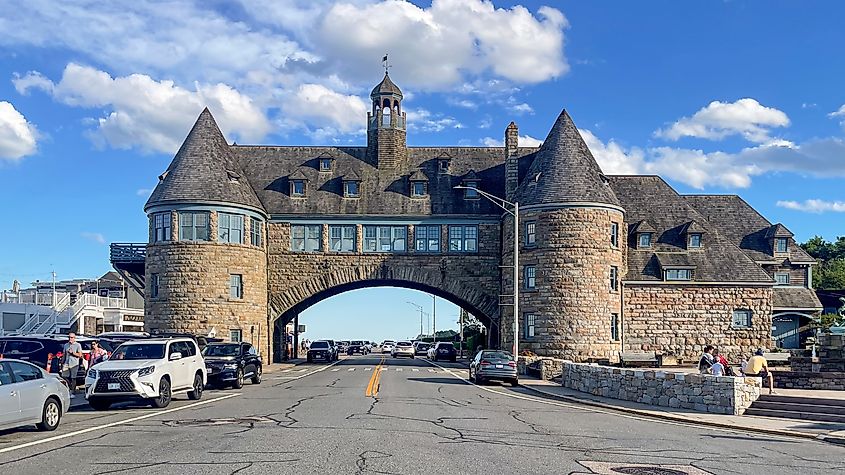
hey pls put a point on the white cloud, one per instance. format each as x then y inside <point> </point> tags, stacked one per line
<point>17,136</point>
<point>814,206</point>
<point>96,237</point>
<point>522,141</point>
<point>148,114</point>
<point>522,109</point>
<point>145,192</point>
<point>313,103</point>
<point>838,113</point>
<point>745,117</point>
<point>425,121</point>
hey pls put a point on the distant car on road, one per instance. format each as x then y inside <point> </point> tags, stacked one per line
<point>493,365</point>
<point>357,346</point>
<point>228,364</point>
<point>421,348</point>
<point>320,350</point>
<point>387,346</point>
<point>334,348</point>
<point>402,348</point>
<point>30,395</point>
<point>342,347</point>
<point>443,350</point>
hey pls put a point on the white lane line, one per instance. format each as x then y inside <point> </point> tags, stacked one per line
<point>116,423</point>
<point>302,370</point>
<point>398,369</point>
<point>368,369</point>
<point>285,371</point>
<point>351,369</point>
<point>414,369</point>
<point>336,369</point>
<point>432,370</point>
<point>286,377</point>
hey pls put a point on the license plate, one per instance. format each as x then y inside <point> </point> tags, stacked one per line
<point>499,366</point>
<point>209,369</point>
<point>113,386</point>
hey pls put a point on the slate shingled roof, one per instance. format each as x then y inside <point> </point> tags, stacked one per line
<point>743,225</point>
<point>386,86</point>
<point>652,199</point>
<point>568,173</point>
<point>795,298</point>
<point>203,171</point>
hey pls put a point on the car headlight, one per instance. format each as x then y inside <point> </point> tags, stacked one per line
<point>230,366</point>
<point>146,371</point>
<point>92,373</point>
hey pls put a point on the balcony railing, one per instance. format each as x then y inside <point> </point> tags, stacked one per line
<point>128,252</point>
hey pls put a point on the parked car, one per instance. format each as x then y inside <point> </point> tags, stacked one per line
<point>387,346</point>
<point>45,350</point>
<point>493,365</point>
<point>357,346</point>
<point>402,348</point>
<point>228,364</point>
<point>31,395</point>
<point>443,350</point>
<point>342,347</point>
<point>421,348</point>
<point>151,370</point>
<point>320,350</point>
<point>334,349</point>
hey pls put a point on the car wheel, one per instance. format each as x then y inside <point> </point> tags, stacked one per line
<point>164,394</point>
<point>309,359</point>
<point>515,382</point>
<point>256,378</point>
<point>412,356</point>
<point>51,415</point>
<point>239,379</point>
<point>99,404</point>
<point>197,388</point>
<point>479,380</point>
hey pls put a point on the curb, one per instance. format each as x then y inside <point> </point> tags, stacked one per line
<point>782,432</point>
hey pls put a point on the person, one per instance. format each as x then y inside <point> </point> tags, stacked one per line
<point>758,367</point>
<point>726,367</point>
<point>717,368</point>
<point>72,352</point>
<point>706,360</point>
<point>98,354</point>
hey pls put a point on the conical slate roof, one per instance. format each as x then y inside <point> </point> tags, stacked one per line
<point>564,171</point>
<point>203,171</point>
<point>386,87</point>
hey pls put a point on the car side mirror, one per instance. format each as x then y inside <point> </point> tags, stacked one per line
<point>176,356</point>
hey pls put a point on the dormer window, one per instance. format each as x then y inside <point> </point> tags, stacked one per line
<point>297,188</point>
<point>644,241</point>
<point>325,164</point>
<point>677,274</point>
<point>471,191</point>
<point>443,165</point>
<point>694,241</point>
<point>418,189</point>
<point>781,245</point>
<point>351,189</point>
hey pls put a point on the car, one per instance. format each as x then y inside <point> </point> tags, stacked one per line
<point>31,395</point>
<point>493,365</point>
<point>357,346</point>
<point>150,370</point>
<point>443,350</point>
<point>387,346</point>
<point>342,347</point>
<point>402,348</point>
<point>334,349</point>
<point>320,350</point>
<point>200,340</point>
<point>421,348</point>
<point>45,350</point>
<point>229,364</point>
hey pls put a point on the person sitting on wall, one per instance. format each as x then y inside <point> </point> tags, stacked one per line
<point>758,367</point>
<point>727,369</point>
<point>706,360</point>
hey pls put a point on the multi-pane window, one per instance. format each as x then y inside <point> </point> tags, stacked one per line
<point>306,237</point>
<point>614,326</point>
<point>678,274</point>
<point>235,336</point>
<point>694,241</point>
<point>418,188</point>
<point>471,191</point>
<point>614,278</point>
<point>427,238</point>
<point>780,245</point>
<point>161,227</point>
<point>342,238</point>
<point>297,188</point>
<point>193,226</point>
<point>463,238</point>
<point>385,238</point>
<point>153,285</point>
<point>644,240</point>
<point>742,318</point>
<point>530,234</point>
<point>782,278</point>
<point>236,286</point>
<point>351,189</point>
<point>255,232</point>
<point>530,277</point>
<point>325,164</point>
<point>230,228</point>
<point>530,320</point>
<point>614,234</point>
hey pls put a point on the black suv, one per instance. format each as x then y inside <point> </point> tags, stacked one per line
<point>41,349</point>
<point>320,350</point>
<point>357,346</point>
<point>228,364</point>
<point>444,350</point>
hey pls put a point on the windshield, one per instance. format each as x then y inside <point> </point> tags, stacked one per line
<point>222,350</point>
<point>444,346</point>
<point>357,343</point>
<point>319,345</point>
<point>403,343</point>
<point>496,355</point>
<point>147,351</point>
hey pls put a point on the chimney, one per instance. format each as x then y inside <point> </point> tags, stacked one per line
<point>511,161</point>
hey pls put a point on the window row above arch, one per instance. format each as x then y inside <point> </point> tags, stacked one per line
<point>199,226</point>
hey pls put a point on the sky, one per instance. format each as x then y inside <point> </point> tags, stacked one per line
<point>739,97</point>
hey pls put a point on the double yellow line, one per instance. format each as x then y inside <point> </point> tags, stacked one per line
<point>373,385</point>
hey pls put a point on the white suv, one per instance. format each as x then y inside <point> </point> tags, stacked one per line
<point>151,369</point>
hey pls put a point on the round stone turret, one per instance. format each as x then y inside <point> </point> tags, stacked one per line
<point>386,122</point>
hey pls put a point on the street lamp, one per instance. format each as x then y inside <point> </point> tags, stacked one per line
<point>419,307</point>
<point>513,211</point>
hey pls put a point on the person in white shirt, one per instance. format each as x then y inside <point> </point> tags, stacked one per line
<point>718,369</point>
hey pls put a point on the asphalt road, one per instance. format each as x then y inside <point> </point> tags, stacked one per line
<point>413,418</point>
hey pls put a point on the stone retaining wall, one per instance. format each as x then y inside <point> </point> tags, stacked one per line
<point>545,368</point>
<point>829,381</point>
<point>703,393</point>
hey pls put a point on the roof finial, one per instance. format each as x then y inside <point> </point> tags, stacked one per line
<point>385,64</point>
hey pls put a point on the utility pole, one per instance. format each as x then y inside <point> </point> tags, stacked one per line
<point>54,289</point>
<point>434,317</point>
<point>461,324</point>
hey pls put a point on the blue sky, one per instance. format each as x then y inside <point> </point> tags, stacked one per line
<point>728,97</point>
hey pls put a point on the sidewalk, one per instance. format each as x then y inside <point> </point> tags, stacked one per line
<point>825,431</point>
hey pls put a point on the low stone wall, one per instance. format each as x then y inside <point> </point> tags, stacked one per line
<point>703,393</point>
<point>540,366</point>
<point>829,381</point>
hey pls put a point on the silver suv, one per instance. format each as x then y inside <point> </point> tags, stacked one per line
<point>151,370</point>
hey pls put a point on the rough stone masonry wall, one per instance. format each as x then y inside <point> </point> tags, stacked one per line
<point>702,393</point>
<point>194,289</point>
<point>572,301</point>
<point>680,320</point>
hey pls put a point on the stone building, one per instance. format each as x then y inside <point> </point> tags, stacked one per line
<point>242,238</point>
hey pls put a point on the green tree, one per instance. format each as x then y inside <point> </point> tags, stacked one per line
<point>830,275</point>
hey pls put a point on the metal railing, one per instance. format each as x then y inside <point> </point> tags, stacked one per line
<point>127,252</point>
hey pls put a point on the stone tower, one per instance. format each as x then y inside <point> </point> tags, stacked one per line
<point>206,265</point>
<point>572,254</point>
<point>386,136</point>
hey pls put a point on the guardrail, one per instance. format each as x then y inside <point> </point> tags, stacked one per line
<point>127,252</point>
